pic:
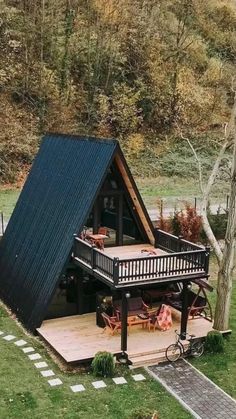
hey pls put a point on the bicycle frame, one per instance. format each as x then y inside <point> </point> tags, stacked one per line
<point>182,348</point>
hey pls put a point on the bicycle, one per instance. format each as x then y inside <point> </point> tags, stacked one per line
<point>176,350</point>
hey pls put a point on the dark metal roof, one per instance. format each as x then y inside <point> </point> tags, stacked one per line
<point>56,199</point>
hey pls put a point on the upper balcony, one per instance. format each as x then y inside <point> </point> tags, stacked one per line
<point>172,259</point>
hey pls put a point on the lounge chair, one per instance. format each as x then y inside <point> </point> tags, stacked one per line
<point>111,323</point>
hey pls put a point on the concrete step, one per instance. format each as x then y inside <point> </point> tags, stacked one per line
<point>146,360</point>
<point>154,351</point>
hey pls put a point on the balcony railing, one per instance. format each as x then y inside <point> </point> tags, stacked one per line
<point>184,259</point>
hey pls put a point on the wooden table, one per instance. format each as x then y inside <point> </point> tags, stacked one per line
<point>97,239</point>
<point>135,320</point>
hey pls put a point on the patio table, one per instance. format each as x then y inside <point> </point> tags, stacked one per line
<point>135,320</point>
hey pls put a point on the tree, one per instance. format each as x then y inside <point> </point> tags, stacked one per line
<point>225,259</point>
<point>226,265</point>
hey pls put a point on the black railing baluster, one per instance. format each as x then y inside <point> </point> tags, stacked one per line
<point>191,260</point>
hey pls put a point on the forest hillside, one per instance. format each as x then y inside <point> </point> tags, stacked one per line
<point>144,71</point>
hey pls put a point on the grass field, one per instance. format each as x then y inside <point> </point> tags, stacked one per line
<point>26,394</point>
<point>8,198</point>
<point>172,190</point>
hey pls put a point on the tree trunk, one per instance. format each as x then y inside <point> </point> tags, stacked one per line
<point>225,274</point>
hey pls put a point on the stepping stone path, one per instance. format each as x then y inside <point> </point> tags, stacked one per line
<point>119,380</point>
<point>28,349</point>
<point>199,395</point>
<point>99,384</point>
<point>9,337</point>
<point>138,377</point>
<point>55,382</point>
<point>41,364</point>
<point>20,342</point>
<point>77,388</point>
<point>33,357</point>
<point>47,373</point>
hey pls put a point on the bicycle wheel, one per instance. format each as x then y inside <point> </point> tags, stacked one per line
<point>197,349</point>
<point>173,352</point>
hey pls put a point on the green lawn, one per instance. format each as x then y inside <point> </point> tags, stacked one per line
<point>221,368</point>
<point>171,189</point>
<point>8,198</point>
<point>26,394</point>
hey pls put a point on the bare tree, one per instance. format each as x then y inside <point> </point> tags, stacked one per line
<point>225,258</point>
<point>226,266</point>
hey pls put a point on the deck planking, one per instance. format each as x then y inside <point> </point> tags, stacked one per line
<point>77,338</point>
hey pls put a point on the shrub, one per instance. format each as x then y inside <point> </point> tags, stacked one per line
<point>103,364</point>
<point>143,414</point>
<point>188,223</point>
<point>218,223</point>
<point>214,342</point>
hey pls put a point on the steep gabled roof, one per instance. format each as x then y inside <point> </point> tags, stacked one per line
<point>57,197</point>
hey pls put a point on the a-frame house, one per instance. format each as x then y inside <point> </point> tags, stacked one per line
<point>53,262</point>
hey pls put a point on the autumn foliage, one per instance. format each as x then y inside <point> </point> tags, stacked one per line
<point>132,69</point>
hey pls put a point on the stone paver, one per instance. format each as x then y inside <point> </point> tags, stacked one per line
<point>119,380</point>
<point>99,384</point>
<point>55,382</point>
<point>47,373</point>
<point>33,357</point>
<point>138,377</point>
<point>9,337</point>
<point>1,333</point>
<point>195,391</point>
<point>41,364</point>
<point>77,388</point>
<point>20,342</point>
<point>28,350</point>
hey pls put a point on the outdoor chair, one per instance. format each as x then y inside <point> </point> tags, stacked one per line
<point>162,319</point>
<point>136,306</point>
<point>104,231</point>
<point>198,306</point>
<point>111,323</point>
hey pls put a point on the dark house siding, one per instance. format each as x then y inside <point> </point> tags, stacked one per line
<point>54,204</point>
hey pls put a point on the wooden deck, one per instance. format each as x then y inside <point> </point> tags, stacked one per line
<point>77,338</point>
<point>133,251</point>
<point>133,265</point>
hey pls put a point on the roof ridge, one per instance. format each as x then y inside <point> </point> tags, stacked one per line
<point>79,137</point>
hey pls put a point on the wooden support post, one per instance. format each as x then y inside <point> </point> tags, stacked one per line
<point>80,291</point>
<point>156,237</point>
<point>184,314</point>
<point>96,216</point>
<point>124,317</point>
<point>119,221</point>
<point>207,258</point>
